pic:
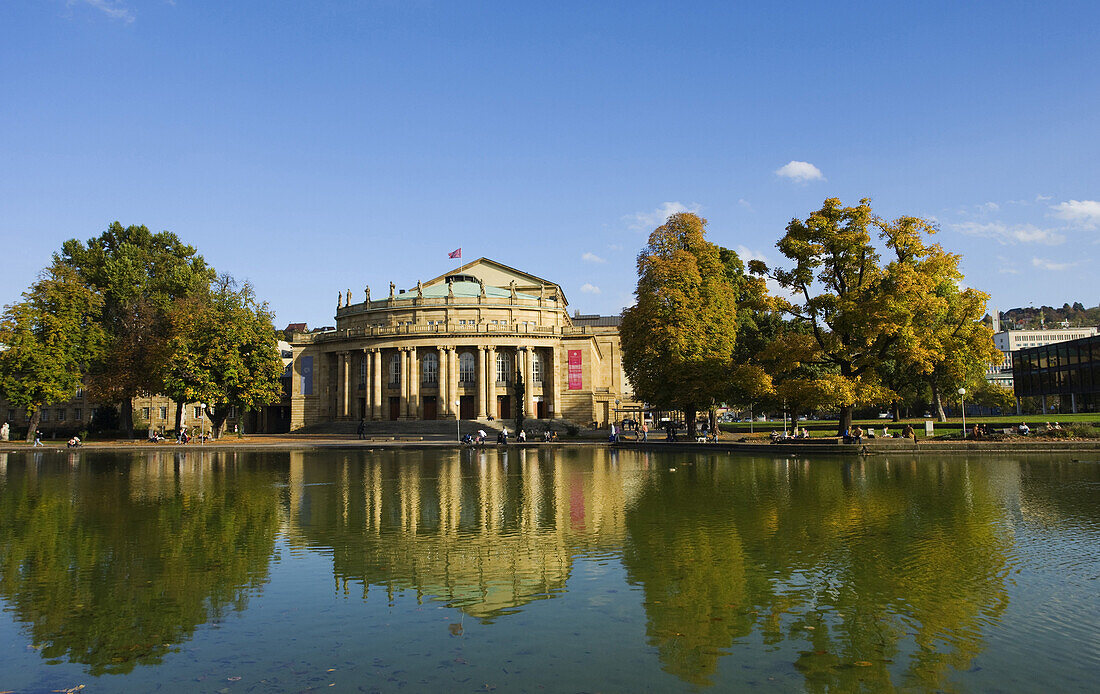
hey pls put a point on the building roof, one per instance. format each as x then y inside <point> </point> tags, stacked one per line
<point>593,320</point>
<point>467,290</point>
<point>518,274</point>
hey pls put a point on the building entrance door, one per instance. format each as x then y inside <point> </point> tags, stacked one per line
<point>504,406</point>
<point>363,408</point>
<point>467,407</point>
<point>395,408</point>
<point>540,409</point>
<point>430,407</point>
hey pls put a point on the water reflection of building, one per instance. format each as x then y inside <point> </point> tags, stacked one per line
<point>486,530</point>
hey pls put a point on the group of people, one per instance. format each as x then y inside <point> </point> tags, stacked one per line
<point>785,436</point>
<point>481,437</point>
<point>857,434</point>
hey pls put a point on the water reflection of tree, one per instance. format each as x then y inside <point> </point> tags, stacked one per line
<point>111,565</point>
<point>871,572</point>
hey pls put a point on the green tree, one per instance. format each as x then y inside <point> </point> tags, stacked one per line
<point>223,351</point>
<point>678,338</point>
<point>47,340</point>
<point>139,276</point>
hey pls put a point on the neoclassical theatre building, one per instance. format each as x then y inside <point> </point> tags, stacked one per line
<point>452,347</point>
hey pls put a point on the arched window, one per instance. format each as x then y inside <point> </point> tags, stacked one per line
<point>467,367</point>
<point>429,368</point>
<point>395,369</point>
<point>504,367</point>
<point>536,366</point>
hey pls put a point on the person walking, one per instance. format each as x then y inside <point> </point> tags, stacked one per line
<point>37,438</point>
<point>361,429</point>
<point>645,432</point>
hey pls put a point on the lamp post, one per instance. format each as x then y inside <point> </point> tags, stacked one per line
<point>458,419</point>
<point>962,406</point>
<point>202,423</point>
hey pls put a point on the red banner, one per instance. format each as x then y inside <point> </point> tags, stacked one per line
<point>575,378</point>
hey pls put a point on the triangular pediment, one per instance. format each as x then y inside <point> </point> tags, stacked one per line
<point>496,274</point>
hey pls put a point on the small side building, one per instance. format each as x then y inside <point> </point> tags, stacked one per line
<point>1064,375</point>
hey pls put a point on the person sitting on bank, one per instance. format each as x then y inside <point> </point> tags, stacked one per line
<point>1023,429</point>
<point>859,434</point>
<point>908,432</point>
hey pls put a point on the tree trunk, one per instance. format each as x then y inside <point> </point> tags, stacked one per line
<point>126,417</point>
<point>937,401</point>
<point>179,414</point>
<point>689,415</point>
<point>217,421</point>
<point>845,419</point>
<point>36,419</point>
<point>895,410</point>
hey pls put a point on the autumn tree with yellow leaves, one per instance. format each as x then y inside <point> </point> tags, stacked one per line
<point>678,338</point>
<point>861,312</point>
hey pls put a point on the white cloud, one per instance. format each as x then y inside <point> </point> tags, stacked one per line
<point>592,258</point>
<point>987,207</point>
<point>588,288</point>
<point>1083,212</point>
<point>746,254</point>
<point>800,171</point>
<point>1023,233</point>
<point>1045,264</point>
<point>614,246</point>
<point>115,9</point>
<point>746,204</point>
<point>1043,198</point>
<point>654,219</point>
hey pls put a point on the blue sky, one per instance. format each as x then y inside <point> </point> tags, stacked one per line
<point>318,146</point>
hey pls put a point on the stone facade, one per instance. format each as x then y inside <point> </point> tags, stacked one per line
<point>451,347</point>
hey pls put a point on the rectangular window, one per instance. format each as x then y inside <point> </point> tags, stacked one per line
<point>79,392</point>
<point>164,413</point>
<point>305,368</point>
<point>45,415</point>
<point>145,413</point>
<point>78,415</point>
<point>198,412</point>
<point>61,415</point>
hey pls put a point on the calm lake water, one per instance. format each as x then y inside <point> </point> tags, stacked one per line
<point>553,570</point>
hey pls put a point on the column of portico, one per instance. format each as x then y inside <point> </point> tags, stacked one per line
<point>443,407</point>
<point>403,383</point>
<point>452,383</point>
<point>414,384</point>
<point>342,384</point>
<point>376,384</point>
<point>491,379</point>
<point>554,383</point>
<point>529,379</point>
<point>481,380</point>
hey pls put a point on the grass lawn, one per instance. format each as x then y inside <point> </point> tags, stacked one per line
<point>825,427</point>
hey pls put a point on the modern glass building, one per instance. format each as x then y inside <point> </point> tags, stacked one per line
<point>1065,375</point>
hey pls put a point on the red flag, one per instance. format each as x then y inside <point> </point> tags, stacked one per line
<point>456,253</point>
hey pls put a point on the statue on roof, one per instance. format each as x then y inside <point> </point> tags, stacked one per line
<point>542,292</point>
<point>419,290</point>
<point>512,288</point>
<point>339,300</point>
<point>392,288</point>
<point>481,283</point>
<point>450,290</point>
<point>366,292</point>
<point>348,302</point>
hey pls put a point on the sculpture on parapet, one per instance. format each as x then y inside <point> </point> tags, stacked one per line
<point>450,290</point>
<point>542,292</point>
<point>366,292</point>
<point>4,432</point>
<point>419,290</point>
<point>348,303</point>
<point>339,300</point>
<point>392,288</point>
<point>481,283</point>
<point>512,288</point>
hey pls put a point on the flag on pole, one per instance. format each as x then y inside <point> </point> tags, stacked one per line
<point>456,253</point>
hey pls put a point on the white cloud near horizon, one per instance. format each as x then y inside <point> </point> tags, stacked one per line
<point>112,8</point>
<point>654,219</point>
<point>1023,233</point>
<point>1083,212</point>
<point>592,258</point>
<point>800,171</point>
<point>589,288</point>
<point>1045,264</point>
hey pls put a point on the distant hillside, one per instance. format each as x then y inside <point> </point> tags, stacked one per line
<point>1033,318</point>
